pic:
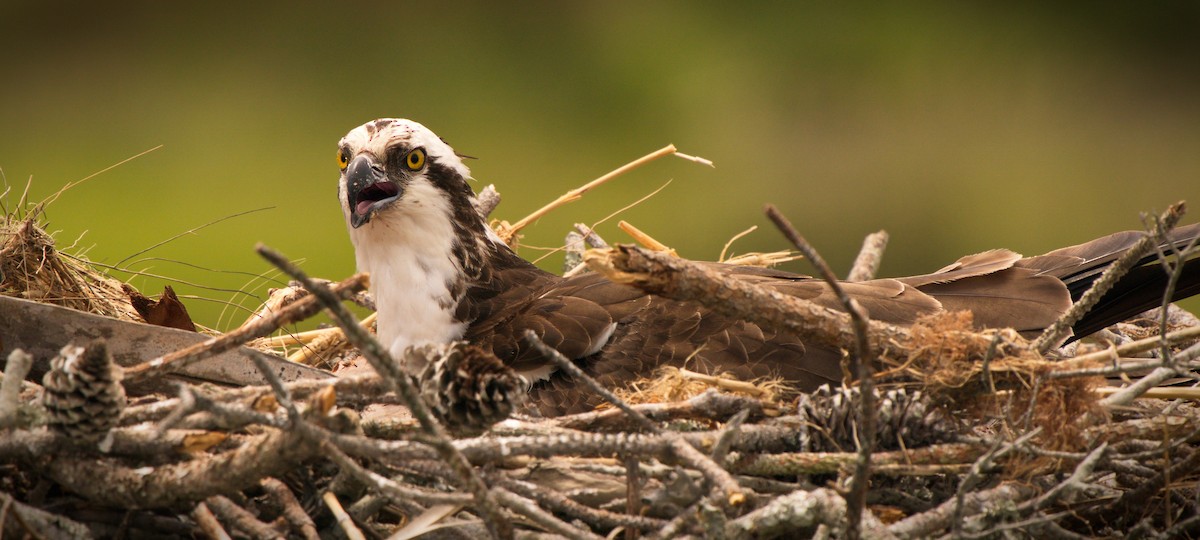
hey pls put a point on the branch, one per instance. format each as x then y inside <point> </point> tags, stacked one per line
<point>720,478</point>
<point>299,310</point>
<point>930,522</point>
<point>864,359</point>
<point>15,371</point>
<point>786,464</point>
<point>107,482</point>
<point>1051,337</point>
<point>680,279</point>
<point>23,521</point>
<point>239,518</point>
<point>391,371</point>
<point>710,405</point>
<point>866,265</point>
<point>290,508</point>
<point>1073,482</point>
<point>800,513</point>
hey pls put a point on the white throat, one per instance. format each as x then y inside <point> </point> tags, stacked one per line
<point>408,250</point>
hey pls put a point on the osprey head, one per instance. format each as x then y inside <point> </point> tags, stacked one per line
<point>390,163</point>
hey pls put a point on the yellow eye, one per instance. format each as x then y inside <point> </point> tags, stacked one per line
<point>415,159</point>
<point>343,159</point>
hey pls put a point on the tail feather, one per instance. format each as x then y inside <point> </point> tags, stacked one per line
<point>1141,289</point>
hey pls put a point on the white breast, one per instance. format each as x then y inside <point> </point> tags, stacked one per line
<point>407,251</point>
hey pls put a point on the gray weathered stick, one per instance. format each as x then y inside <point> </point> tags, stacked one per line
<point>866,264</point>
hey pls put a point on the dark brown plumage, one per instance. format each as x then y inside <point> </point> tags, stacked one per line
<point>439,275</point>
<point>1001,289</point>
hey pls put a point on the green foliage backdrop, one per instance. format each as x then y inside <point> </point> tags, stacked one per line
<point>956,127</point>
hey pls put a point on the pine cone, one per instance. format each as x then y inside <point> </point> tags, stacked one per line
<point>83,393</point>
<point>468,387</point>
<point>829,417</point>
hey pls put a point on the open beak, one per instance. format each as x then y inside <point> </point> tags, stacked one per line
<point>367,190</point>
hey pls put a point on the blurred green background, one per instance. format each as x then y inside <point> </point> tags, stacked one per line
<point>957,127</point>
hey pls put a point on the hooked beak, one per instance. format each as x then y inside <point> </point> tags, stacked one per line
<point>367,190</point>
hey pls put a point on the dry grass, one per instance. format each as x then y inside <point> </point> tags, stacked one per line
<point>33,269</point>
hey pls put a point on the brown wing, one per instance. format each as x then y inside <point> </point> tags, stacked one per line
<point>619,334</point>
<point>575,316</point>
<point>998,294</point>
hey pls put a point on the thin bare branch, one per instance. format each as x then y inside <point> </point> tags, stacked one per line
<point>863,361</point>
<point>869,257</point>
<point>1053,335</point>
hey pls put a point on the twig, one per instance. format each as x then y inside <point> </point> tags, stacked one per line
<point>1051,337</point>
<point>15,371</point>
<point>864,358</point>
<point>728,434</point>
<point>680,279</point>
<point>999,449</point>
<point>348,388</point>
<point>1074,482</point>
<point>590,237</point>
<point>560,503</point>
<point>163,486</point>
<point>926,524</point>
<point>787,464</point>
<point>575,372</point>
<point>391,371</point>
<point>531,510</point>
<point>487,200</point>
<point>185,404</point>
<point>710,405</point>
<point>1142,493</point>
<point>281,392</point>
<point>1127,349</point>
<point>633,494</point>
<point>573,248</point>
<point>1126,395</point>
<point>732,494</point>
<point>869,257</point>
<point>800,512</point>
<point>301,309</point>
<point>290,508</point>
<point>677,525</point>
<point>239,518</point>
<point>1182,529</point>
<point>343,519</point>
<point>1037,526</point>
<point>387,487</point>
<point>208,522</point>
<point>1173,276</point>
<point>20,519</point>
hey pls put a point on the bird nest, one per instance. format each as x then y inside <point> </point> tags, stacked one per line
<point>955,432</point>
<point>32,268</point>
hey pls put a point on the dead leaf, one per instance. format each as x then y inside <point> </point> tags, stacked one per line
<point>166,311</point>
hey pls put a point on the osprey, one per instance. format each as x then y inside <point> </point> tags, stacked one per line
<point>439,273</point>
